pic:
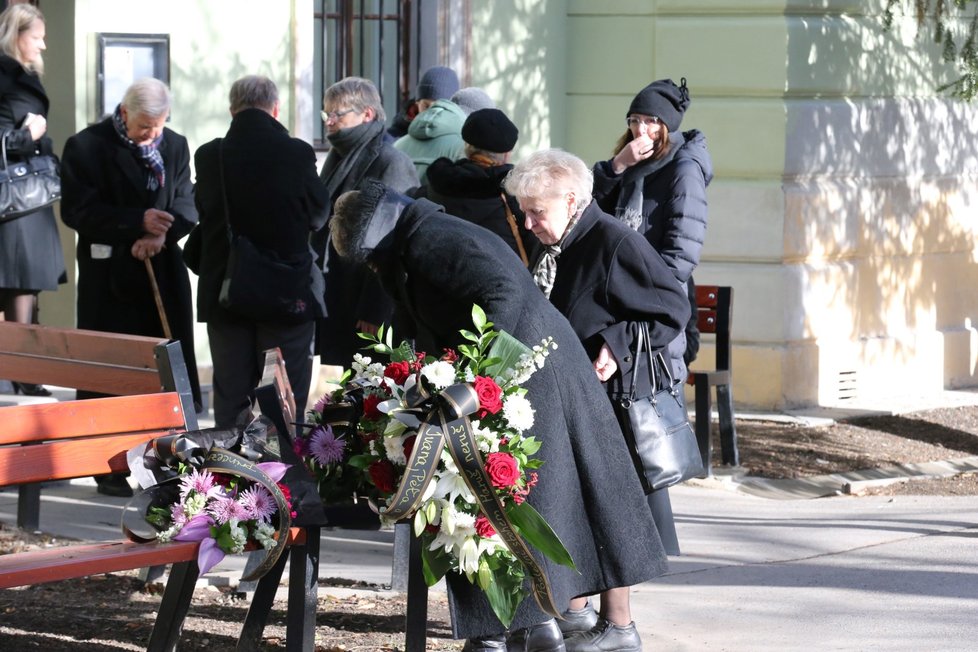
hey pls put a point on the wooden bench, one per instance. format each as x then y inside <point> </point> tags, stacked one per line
<point>108,363</point>
<point>73,439</point>
<point>714,306</point>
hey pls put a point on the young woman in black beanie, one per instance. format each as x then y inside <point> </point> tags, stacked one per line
<point>656,183</point>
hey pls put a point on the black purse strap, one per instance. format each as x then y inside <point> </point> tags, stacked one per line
<point>642,348</point>
<point>224,192</point>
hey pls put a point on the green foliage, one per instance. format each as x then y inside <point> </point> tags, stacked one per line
<point>539,534</point>
<point>963,55</point>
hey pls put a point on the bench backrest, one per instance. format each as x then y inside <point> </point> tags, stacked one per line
<point>108,363</point>
<point>73,439</point>
<point>714,306</point>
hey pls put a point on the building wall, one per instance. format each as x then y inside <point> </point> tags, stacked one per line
<point>840,210</point>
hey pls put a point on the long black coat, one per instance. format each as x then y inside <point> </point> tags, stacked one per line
<point>437,266</point>
<point>608,278</point>
<point>30,249</point>
<point>273,193</point>
<point>473,193</point>
<point>104,198</point>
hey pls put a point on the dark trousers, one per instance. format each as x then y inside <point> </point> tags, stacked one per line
<point>237,351</point>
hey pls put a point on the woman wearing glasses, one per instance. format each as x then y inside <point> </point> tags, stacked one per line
<point>656,183</point>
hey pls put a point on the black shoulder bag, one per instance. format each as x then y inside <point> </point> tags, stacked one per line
<point>263,286</point>
<point>28,185</point>
<point>657,429</point>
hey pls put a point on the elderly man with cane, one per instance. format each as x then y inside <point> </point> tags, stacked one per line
<point>127,191</point>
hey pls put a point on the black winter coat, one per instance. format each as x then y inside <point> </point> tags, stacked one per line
<point>472,192</point>
<point>437,266</point>
<point>674,208</point>
<point>30,248</point>
<point>104,198</point>
<point>608,279</point>
<point>274,197</point>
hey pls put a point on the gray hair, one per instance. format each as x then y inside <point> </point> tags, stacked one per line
<point>253,92</point>
<point>356,93</point>
<point>147,96</point>
<point>548,173</point>
<point>15,20</point>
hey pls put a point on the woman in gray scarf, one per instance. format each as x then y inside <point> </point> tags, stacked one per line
<point>359,150</point>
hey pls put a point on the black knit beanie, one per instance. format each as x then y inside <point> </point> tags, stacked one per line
<point>664,100</point>
<point>490,130</point>
<point>437,83</point>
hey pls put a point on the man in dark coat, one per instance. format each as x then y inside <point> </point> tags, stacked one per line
<point>355,302</point>
<point>437,266</point>
<point>472,187</point>
<point>273,197</point>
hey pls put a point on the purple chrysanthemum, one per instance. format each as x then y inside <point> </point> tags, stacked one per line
<point>201,482</point>
<point>258,503</point>
<point>322,403</point>
<point>178,515</point>
<point>325,447</point>
<point>225,509</point>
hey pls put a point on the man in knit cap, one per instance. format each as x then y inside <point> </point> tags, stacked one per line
<point>471,187</point>
<point>436,130</point>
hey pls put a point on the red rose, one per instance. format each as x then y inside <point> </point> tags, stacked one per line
<point>450,355</point>
<point>382,475</point>
<point>503,470</point>
<point>490,396</point>
<point>370,411</point>
<point>409,445</point>
<point>398,371</point>
<point>483,527</point>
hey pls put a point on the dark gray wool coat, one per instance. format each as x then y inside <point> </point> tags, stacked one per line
<point>30,248</point>
<point>437,266</point>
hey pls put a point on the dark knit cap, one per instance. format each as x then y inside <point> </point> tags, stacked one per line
<point>664,100</point>
<point>437,83</point>
<point>364,219</point>
<point>490,130</point>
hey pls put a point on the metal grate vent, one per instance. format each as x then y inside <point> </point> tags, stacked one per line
<point>847,386</point>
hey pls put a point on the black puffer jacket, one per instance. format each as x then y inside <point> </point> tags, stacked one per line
<point>472,192</point>
<point>674,199</point>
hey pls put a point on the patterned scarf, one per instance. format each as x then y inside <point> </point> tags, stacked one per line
<point>149,155</point>
<point>545,271</point>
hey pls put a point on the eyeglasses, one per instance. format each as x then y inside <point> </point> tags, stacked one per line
<point>632,121</point>
<point>334,115</point>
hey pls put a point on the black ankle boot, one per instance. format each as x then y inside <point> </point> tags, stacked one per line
<point>486,644</point>
<point>544,637</point>
<point>578,620</point>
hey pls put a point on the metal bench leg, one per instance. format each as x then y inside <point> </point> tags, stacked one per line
<point>661,508</point>
<point>416,627</point>
<point>261,605</point>
<point>303,594</point>
<point>174,607</point>
<point>400,565</point>
<point>29,507</point>
<point>703,410</point>
<point>728,428</point>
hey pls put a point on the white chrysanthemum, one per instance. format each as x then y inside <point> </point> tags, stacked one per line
<point>265,535</point>
<point>394,449</point>
<point>239,537</point>
<point>440,373</point>
<point>518,412</point>
<point>487,440</point>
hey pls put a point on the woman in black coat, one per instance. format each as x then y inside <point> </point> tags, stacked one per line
<point>607,280</point>
<point>30,249</point>
<point>127,191</point>
<point>436,266</point>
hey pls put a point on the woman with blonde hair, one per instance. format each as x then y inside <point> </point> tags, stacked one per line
<point>30,249</point>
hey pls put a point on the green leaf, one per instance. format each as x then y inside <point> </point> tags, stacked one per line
<point>539,534</point>
<point>505,593</point>
<point>507,350</point>
<point>361,461</point>
<point>530,445</point>
<point>435,563</point>
<point>479,318</point>
<point>469,335</point>
<point>403,353</point>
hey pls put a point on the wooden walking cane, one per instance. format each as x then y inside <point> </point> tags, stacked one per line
<point>167,333</point>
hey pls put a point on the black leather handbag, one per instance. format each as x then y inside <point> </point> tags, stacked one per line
<point>656,427</point>
<point>263,286</point>
<point>28,185</point>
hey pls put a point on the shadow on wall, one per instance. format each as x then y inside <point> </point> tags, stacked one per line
<point>879,177</point>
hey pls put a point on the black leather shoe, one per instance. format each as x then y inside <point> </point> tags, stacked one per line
<point>605,637</point>
<point>545,637</point>
<point>578,620</point>
<point>114,484</point>
<point>30,389</point>
<point>485,644</point>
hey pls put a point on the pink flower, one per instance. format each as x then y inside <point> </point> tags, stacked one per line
<point>258,503</point>
<point>201,482</point>
<point>325,447</point>
<point>225,509</point>
<point>321,404</point>
<point>274,470</point>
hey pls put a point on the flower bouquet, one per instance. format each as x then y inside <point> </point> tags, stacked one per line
<point>227,502</point>
<point>456,430</point>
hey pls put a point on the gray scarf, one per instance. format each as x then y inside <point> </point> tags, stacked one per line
<point>631,200</point>
<point>545,271</point>
<point>345,165</point>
